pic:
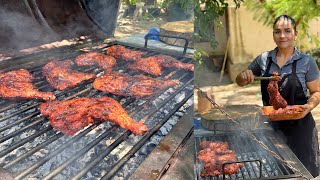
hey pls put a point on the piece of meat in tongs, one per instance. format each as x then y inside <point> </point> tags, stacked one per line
<point>17,84</point>
<point>70,116</point>
<point>123,53</point>
<point>136,86</point>
<point>276,100</point>
<point>95,58</point>
<point>60,75</point>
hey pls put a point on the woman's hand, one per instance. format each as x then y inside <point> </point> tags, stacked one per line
<point>245,78</point>
<point>307,108</point>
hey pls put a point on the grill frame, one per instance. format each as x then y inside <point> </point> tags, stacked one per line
<point>268,137</point>
<point>29,63</point>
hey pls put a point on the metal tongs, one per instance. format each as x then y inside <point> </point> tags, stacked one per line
<point>270,78</point>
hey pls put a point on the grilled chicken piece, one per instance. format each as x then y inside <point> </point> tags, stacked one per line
<point>214,155</point>
<point>275,99</point>
<point>136,86</point>
<point>155,64</point>
<point>148,65</point>
<point>70,116</point>
<point>95,58</point>
<point>17,84</point>
<point>168,61</point>
<point>60,76</point>
<point>123,53</point>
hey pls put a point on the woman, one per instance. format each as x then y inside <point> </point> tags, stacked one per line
<point>299,74</point>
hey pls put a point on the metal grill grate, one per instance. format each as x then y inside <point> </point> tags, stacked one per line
<point>29,147</point>
<point>247,149</point>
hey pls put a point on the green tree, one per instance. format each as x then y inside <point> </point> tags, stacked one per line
<point>302,11</point>
<point>207,12</point>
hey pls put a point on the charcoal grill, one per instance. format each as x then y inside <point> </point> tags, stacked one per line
<point>31,148</point>
<point>258,163</point>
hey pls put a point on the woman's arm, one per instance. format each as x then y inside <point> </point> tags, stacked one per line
<point>314,100</point>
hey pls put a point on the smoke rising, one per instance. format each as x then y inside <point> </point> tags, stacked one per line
<point>19,31</point>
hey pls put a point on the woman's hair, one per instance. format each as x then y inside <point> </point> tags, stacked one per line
<point>288,18</point>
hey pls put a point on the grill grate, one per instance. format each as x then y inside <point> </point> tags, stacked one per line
<point>29,147</point>
<point>247,150</point>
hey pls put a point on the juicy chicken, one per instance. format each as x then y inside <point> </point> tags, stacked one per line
<point>70,116</point>
<point>214,155</point>
<point>60,76</point>
<point>155,64</point>
<point>170,62</point>
<point>17,84</point>
<point>95,58</point>
<point>137,86</point>
<point>148,65</point>
<point>123,53</point>
<point>276,100</point>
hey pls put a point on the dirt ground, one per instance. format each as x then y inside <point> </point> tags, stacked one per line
<point>128,27</point>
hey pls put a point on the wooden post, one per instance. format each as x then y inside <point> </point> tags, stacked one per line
<point>224,60</point>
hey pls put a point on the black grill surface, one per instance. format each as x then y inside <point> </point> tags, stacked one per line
<point>247,149</point>
<point>31,148</point>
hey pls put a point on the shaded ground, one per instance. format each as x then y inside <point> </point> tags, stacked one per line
<point>127,27</point>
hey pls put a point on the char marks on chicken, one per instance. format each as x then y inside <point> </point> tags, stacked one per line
<point>17,84</point>
<point>148,65</point>
<point>214,155</point>
<point>154,64</point>
<point>70,116</point>
<point>95,58</point>
<point>60,75</point>
<point>275,98</point>
<point>135,86</point>
<point>123,53</point>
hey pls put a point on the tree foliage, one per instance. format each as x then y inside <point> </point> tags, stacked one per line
<point>207,12</point>
<point>303,12</point>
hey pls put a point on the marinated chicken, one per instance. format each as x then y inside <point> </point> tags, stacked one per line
<point>95,58</point>
<point>170,62</point>
<point>147,65</point>
<point>276,100</point>
<point>60,75</point>
<point>214,155</point>
<point>70,116</point>
<point>17,84</point>
<point>136,86</point>
<point>123,53</point>
<point>155,64</point>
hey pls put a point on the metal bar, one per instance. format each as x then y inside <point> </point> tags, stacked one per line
<point>33,150</point>
<point>54,153</point>
<point>146,137</point>
<point>177,37</point>
<point>25,140</point>
<point>4,138</point>
<point>78,154</point>
<point>18,121</point>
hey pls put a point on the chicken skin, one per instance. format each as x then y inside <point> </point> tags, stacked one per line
<point>276,100</point>
<point>60,76</point>
<point>123,53</point>
<point>17,84</point>
<point>70,116</point>
<point>154,65</point>
<point>95,58</point>
<point>136,86</point>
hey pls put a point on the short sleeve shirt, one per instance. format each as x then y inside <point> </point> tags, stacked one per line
<point>306,70</point>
